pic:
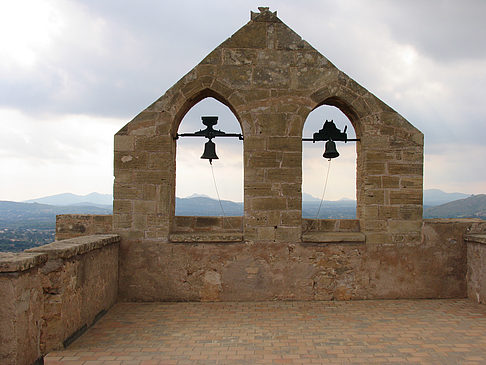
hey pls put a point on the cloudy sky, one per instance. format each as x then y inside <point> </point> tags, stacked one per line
<point>72,73</point>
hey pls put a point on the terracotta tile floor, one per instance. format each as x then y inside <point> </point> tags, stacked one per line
<point>403,331</point>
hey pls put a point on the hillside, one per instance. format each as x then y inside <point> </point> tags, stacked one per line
<point>92,199</point>
<point>471,207</point>
<point>205,206</point>
<point>26,225</point>
<point>34,215</point>
<point>433,197</point>
<point>340,209</point>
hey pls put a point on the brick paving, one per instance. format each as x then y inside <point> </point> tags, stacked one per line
<point>355,332</point>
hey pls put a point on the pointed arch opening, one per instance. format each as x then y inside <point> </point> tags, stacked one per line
<point>209,194</point>
<point>334,181</point>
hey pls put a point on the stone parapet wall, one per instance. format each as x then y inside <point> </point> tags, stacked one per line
<point>21,307</point>
<point>75,225</point>
<point>330,225</point>
<point>337,268</point>
<point>214,224</point>
<point>51,292</point>
<point>476,262</point>
<point>189,229</point>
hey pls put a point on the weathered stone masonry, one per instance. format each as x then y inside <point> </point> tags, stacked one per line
<point>476,262</point>
<point>50,293</point>
<point>271,79</point>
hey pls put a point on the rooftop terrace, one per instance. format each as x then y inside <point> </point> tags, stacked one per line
<point>59,306</point>
<point>388,331</point>
<point>277,277</point>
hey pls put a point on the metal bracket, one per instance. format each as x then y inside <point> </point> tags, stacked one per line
<point>330,132</point>
<point>209,132</point>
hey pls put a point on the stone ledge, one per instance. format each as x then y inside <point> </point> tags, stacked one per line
<point>477,237</point>
<point>334,237</point>
<point>20,261</point>
<point>452,220</point>
<point>206,237</point>
<point>75,246</point>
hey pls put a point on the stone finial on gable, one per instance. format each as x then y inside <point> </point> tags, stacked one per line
<point>264,9</point>
<point>265,15</point>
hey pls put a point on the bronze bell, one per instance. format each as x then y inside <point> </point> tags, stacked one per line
<point>209,151</point>
<point>330,150</point>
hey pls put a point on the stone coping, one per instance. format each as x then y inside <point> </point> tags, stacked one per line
<point>333,237</point>
<point>475,237</point>
<point>221,237</point>
<point>206,237</point>
<point>20,261</point>
<point>84,215</point>
<point>453,220</point>
<point>75,246</point>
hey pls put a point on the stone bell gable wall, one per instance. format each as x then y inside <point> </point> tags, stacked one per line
<point>271,79</point>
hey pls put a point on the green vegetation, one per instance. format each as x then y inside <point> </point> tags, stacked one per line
<point>26,225</point>
<point>19,239</point>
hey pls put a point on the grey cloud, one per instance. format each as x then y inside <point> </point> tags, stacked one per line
<point>116,57</point>
<point>146,48</point>
<point>446,30</point>
<point>141,51</point>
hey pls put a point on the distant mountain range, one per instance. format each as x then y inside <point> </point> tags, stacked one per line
<point>32,223</point>
<point>464,207</point>
<point>437,204</point>
<point>92,199</point>
<point>35,215</point>
<point>206,206</point>
<point>434,197</point>
<point>471,207</point>
<point>309,198</point>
